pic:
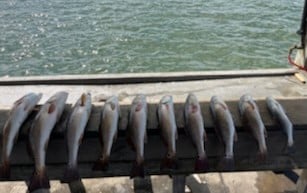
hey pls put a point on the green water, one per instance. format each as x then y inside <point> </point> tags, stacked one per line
<point>112,36</point>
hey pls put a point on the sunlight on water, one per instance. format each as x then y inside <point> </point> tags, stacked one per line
<point>92,37</point>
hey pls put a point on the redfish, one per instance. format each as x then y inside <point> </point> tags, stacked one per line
<point>225,129</point>
<point>194,126</point>
<point>77,122</point>
<point>279,114</point>
<point>137,133</point>
<point>108,131</point>
<point>39,135</point>
<point>251,118</point>
<point>20,111</point>
<point>167,124</point>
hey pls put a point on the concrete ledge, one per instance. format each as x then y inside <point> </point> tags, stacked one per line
<point>134,78</point>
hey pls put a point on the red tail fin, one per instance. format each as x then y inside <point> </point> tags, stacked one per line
<point>39,180</point>
<point>290,149</point>
<point>101,164</point>
<point>201,164</point>
<point>5,170</point>
<point>169,163</point>
<point>71,174</point>
<point>262,155</point>
<point>137,170</point>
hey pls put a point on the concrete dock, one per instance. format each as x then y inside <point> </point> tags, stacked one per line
<point>231,88</point>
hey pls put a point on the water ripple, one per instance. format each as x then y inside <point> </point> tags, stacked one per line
<point>91,36</point>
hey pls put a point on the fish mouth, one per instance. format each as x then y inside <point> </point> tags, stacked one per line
<point>166,99</point>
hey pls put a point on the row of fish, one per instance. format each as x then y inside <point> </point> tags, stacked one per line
<point>51,111</point>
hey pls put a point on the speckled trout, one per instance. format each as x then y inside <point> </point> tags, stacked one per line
<point>137,133</point>
<point>20,111</point>
<point>39,135</point>
<point>77,122</point>
<point>225,129</point>
<point>194,127</point>
<point>108,131</point>
<point>279,114</point>
<point>251,118</point>
<point>167,124</point>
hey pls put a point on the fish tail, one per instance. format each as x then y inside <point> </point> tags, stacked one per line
<point>201,164</point>
<point>71,174</point>
<point>290,149</point>
<point>227,163</point>
<point>101,164</point>
<point>137,170</point>
<point>5,170</point>
<point>169,162</point>
<point>39,180</point>
<point>262,155</point>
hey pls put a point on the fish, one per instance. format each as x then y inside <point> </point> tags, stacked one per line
<point>39,135</point>
<point>137,134</point>
<point>194,127</point>
<point>75,129</point>
<point>108,131</point>
<point>279,114</point>
<point>225,130</point>
<point>19,113</point>
<point>168,127</point>
<point>251,118</point>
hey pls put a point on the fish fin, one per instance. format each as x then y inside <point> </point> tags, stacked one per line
<point>115,136</point>
<point>290,149</point>
<point>169,163</point>
<point>83,99</point>
<point>5,170</point>
<point>102,164</point>
<point>262,155</point>
<point>130,143</point>
<point>15,138</point>
<point>27,107</point>
<point>201,164</point>
<point>205,136</point>
<point>235,137</point>
<point>71,174</point>
<point>51,108</point>
<point>137,170</point>
<point>39,181</point>
<point>5,131</point>
<point>80,139</point>
<point>227,164</point>
<point>265,132</point>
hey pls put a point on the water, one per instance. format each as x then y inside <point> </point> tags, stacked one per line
<point>112,36</point>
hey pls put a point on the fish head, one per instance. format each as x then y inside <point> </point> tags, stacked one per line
<point>168,99</point>
<point>192,103</point>
<point>112,102</point>
<point>86,99</point>
<point>61,97</point>
<point>215,100</point>
<point>246,97</point>
<point>33,98</point>
<point>139,102</point>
